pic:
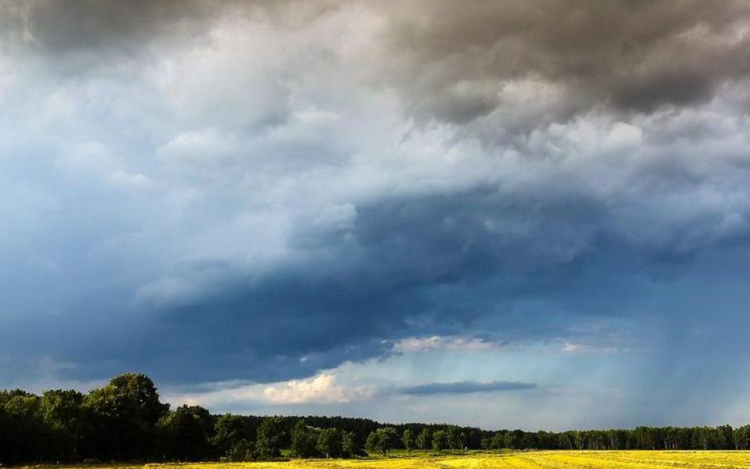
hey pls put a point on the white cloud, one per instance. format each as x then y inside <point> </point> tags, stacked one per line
<point>320,389</point>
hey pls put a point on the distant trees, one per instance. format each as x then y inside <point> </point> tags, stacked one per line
<point>496,441</point>
<point>514,439</point>
<point>125,420</point>
<point>310,442</point>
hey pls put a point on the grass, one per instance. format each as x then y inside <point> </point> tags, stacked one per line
<point>508,460</point>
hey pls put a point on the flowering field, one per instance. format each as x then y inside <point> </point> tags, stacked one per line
<point>520,460</point>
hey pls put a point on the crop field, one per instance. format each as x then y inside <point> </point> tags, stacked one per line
<point>524,460</point>
<point>519,460</point>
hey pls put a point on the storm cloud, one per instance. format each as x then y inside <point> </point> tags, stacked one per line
<point>496,60</point>
<point>255,192</point>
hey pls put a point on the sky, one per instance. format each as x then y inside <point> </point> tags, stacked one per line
<point>512,214</point>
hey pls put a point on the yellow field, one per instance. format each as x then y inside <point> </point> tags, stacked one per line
<point>521,460</point>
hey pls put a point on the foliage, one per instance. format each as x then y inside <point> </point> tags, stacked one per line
<point>424,439</point>
<point>456,438</point>
<point>304,440</point>
<point>382,441</point>
<point>440,440</point>
<point>186,434</point>
<point>269,442</point>
<point>123,418</point>
<point>329,443</point>
<point>229,431</point>
<point>349,445</point>
<point>409,440</point>
<point>241,451</point>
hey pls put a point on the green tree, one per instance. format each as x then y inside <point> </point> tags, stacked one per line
<point>424,439</point>
<point>142,391</point>
<point>725,437</point>
<point>496,441</point>
<point>329,443</point>
<point>514,439</point>
<point>304,440</point>
<point>439,440</point>
<point>187,431</point>
<point>23,436</point>
<point>409,440</point>
<point>63,415</point>
<point>349,446</point>
<point>124,415</point>
<point>373,444</point>
<point>229,430</point>
<point>382,440</point>
<point>270,436</point>
<point>456,438</point>
<point>742,437</point>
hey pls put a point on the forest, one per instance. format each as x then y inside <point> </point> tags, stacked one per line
<point>126,421</point>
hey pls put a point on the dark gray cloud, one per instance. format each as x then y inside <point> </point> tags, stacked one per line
<point>456,64</point>
<point>89,33</point>
<point>466,387</point>
<point>132,27</point>
<point>452,63</point>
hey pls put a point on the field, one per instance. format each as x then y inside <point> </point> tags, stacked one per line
<point>517,460</point>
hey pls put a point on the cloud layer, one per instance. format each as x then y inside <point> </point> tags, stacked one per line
<point>214,192</point>
<point>466,387</point>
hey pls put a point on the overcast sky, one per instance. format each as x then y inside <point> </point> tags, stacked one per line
<point>529,214</point>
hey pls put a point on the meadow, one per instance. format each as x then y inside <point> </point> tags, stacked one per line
<point>509,460</point>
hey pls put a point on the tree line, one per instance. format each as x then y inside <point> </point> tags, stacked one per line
<point>126,421</point>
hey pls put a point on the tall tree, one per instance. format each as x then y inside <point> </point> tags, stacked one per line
<point>382,440</point>
<point>63,415</point>
<point>439,440</point>
<point>229,430</point>
<point>349,445</point>
<point>408,440</point>
<point>124,415</point>
<point>424,439</point>
<point>187,431</point>
<point>304,440</point>
<point>456,438</point>
<point>270,436</point>
<point>329,442</point>
<point>23,438</point>
<point>742,437</point>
